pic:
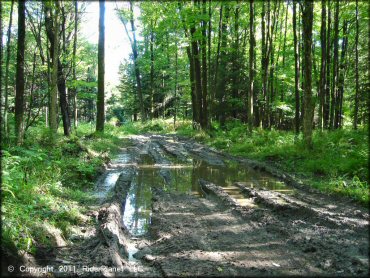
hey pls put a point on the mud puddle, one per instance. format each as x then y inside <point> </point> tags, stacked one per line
<point>184,178</point>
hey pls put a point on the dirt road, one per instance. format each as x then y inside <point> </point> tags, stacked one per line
<point>173,207</point>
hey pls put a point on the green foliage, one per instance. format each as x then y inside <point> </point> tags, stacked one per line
<point>48,185</point>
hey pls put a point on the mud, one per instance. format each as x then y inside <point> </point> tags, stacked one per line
<point>168,206</point>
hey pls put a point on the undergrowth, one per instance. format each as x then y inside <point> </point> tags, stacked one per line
<point>47,185</point>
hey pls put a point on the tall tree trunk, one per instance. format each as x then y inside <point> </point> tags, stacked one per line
<point>52,31</point>
<point>137,70</point>
<point>19,96</point>
<point>197,74</point>
<point>1,68</point>
<point>152,72</point>
<point>334,91</point>
<point>213,104</point>
<point>204,120</point>
<point>191,70</point>
<point>323,65</point>
<point>209,112</point>
<point>7,62</point>
<point>221,80</point>
<point>53,106</point>
<point>342,71</point>
<point>307,22</point>
<point>75,113</point>
<point>100,117</point>
<point>176,86</point>
<point>328,66</point>
<point>251,65</point>
<point>235,63</point>
<point>355,118</point>
<point>296,69</point>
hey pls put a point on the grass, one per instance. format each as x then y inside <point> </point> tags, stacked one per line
<point>48,184</point>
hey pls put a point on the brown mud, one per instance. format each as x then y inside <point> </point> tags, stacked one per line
<point>168,206</point>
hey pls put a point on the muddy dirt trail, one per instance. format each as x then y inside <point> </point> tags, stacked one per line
<point>169,206</point>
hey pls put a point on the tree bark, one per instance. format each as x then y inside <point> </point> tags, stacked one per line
<point>251,65</point>
<point>197,74</point>
<point>355,118</point>
<point>221,80</point>
<point>204,120</point>
<point>7,62</point>
<point>328,66</point>
<point>323,65</point>
<point>137,70</point>
<point>307,22</point>
<point>342,71</point>
<point>151,72</point>
<point>19,96</point>
<point>100,117</point>
<point>334,91</point>
<point>75,113</point>
<point>53,122</point>
<point>296,69</point>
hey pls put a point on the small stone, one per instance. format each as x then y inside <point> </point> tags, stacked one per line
<point>149,258</point>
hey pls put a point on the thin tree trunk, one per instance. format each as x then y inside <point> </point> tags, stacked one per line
<point>151,72</point>
<point>221,80</point>
<point>75,113</point>
<point>209,112</point>
<point>355,118</point>
<point>334,92</point>
<point>137,70</point>
<point>251,65</point>
<point>54,45</point>
<point>328,66</point>
<point>296,69</point>
<point>197,74</point>
<point>204,120</point>
<point>307,22</point>
<point>235,63</point>
<point>342,71</point>
<point>31,91</point>
<point>213,105</point>
<point>176,86</point>
<point>8,52</point>
<point>323,65</point>
<point>191,71</point>
<point>19,96</point>
<point>100,115</point>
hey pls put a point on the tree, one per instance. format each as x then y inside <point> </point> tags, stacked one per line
<point>296,69</point>
<point>74,91</point>
<point>355,118</point>
<point>52,26</point>
<point>307,21</point>
<point>334,89</point>
<point>53,123</point>
<point>251,65</point>
<point>19,97</point>
<point>7,62</point>
<point>323,65</point>
<point>100,100</point>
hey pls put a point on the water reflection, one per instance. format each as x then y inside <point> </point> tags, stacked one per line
<point>184,179</point>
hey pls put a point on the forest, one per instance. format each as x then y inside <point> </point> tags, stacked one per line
<point>228,125</point>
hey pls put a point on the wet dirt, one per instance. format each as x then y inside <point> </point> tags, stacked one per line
<point>174,207</point>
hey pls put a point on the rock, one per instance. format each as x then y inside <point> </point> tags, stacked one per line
<point>149,258</point>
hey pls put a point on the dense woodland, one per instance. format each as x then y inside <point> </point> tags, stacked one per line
<point>291,65</point>
<point>278,72</point>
